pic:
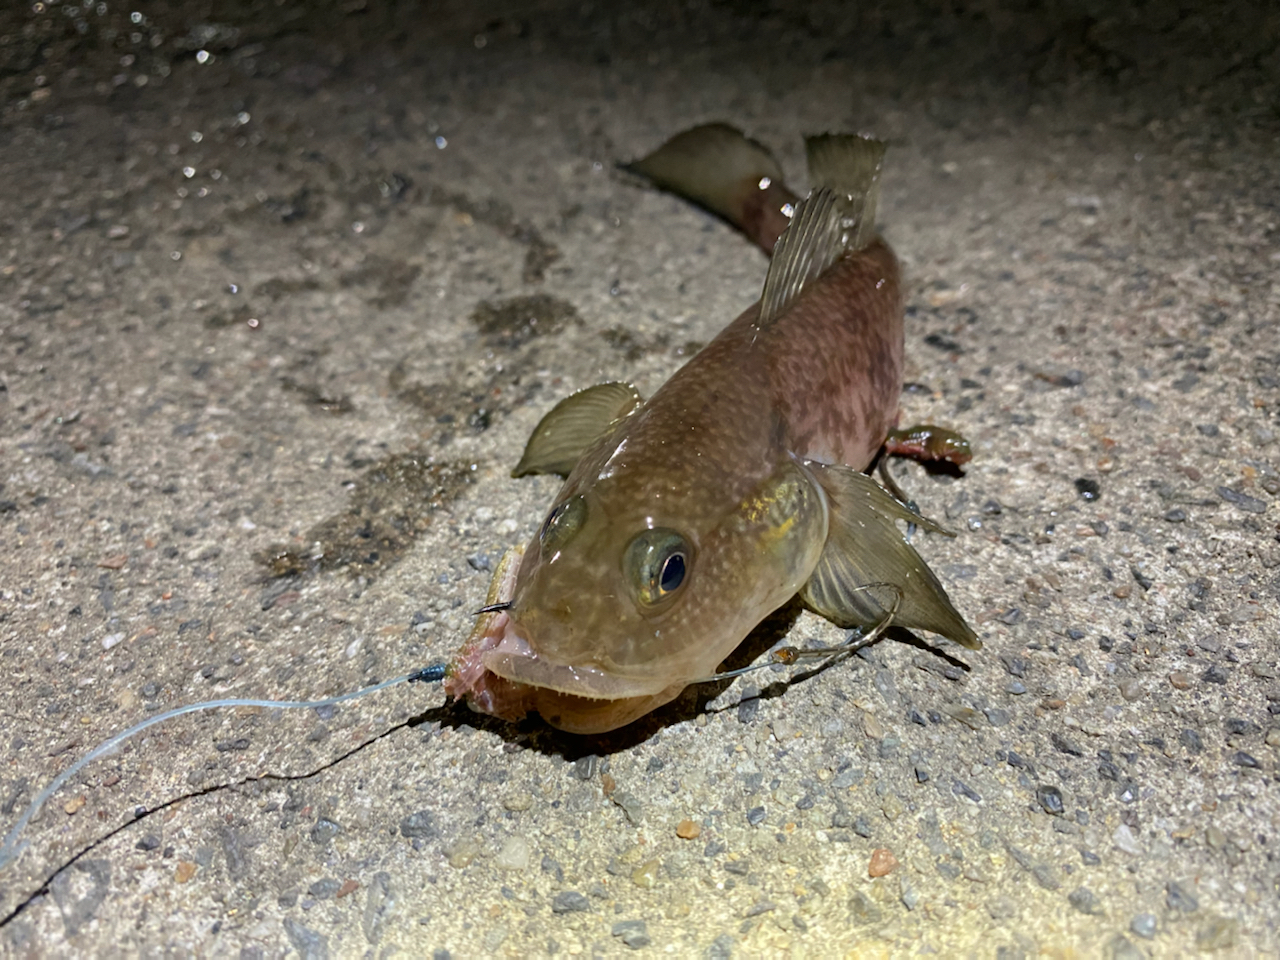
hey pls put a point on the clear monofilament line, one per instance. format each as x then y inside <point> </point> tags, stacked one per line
<point>858,638</point>
<point>11,848</point>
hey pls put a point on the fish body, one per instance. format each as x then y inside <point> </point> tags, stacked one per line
<point>685,520</point>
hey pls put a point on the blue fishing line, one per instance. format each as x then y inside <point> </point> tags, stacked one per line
<point>11,849</point>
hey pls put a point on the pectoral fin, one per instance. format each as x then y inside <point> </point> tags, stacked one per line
<point>864,546</point>
<point>573,424</point>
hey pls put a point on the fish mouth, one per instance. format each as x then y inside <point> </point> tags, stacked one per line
<point>499,672</point>
<point>514,659</point>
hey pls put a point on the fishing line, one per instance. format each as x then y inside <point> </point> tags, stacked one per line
<point>11,849</point>
<point>857,639</point>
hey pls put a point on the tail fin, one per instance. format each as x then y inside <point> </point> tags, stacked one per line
<point>718,167</point>
<point>850,166</point>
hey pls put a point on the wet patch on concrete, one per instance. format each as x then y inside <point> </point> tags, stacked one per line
<point>277,287</point>
<point>313,396</point>
<point>475,395</point>
<point>540,253</point>
<point>393,279</point>
<point>630,345</point>
<point>634,346</point>
<point>392,504</point>
<point>512,323</point>
<point>452,405</point>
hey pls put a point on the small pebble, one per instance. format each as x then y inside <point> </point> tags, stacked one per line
<point>1130,688</point>
<point>420,824</point>
<point>1242,500</point>
<point>883,862</point>
<point>1084,900</point>
<point>645,876</point>
<point>1089,490</point>
<point>1050,798</point>
<point>634,933</point>
<point>324,831</point>
<point>1144,925</point>
<point>755,816</point>
<point>1215,674</point>
<point>569,901</point>
<point>1119,948</point>
<point>688,830</point>
<point>461,853</point>
<point>1125,840</point>
<point>324,888</point>
<point>862,909</point>
<point>632,807</point>
<point>1178,898</point>
<point>1180,680</point>
<point>908,894</point>
<point>515,854</point>
<point>185,871</point>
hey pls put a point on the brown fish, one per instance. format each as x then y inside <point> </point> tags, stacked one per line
<point>688,518</point>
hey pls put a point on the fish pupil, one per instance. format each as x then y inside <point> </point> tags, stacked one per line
<point>672,573</point>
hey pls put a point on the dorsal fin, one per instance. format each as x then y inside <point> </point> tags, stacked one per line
<point>806,248</point>
<point>850,166</point>
<point>838,217</point>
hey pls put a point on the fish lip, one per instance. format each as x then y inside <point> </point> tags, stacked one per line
<point>515,659</point>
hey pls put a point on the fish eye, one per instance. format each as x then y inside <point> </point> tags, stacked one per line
<point>656,564</point>
<point>562,523</point>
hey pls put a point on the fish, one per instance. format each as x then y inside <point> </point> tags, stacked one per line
<point>687,518</point>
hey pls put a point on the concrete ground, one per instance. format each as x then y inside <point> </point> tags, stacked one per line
<point>266,277</point>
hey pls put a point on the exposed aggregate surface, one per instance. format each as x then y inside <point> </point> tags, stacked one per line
<point>267,277</point>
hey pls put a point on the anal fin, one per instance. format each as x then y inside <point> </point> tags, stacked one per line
<point>865,547</point>
<point>573,424</point>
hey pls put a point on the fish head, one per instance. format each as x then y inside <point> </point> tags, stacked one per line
<point>636,585</point>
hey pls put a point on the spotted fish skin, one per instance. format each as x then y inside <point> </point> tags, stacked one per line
<point>686,519</point>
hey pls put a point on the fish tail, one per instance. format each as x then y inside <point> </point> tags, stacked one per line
<point>849,166</point>
<point>723,170</point>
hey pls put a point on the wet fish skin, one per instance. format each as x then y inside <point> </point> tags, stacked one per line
<point>722,468</point>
